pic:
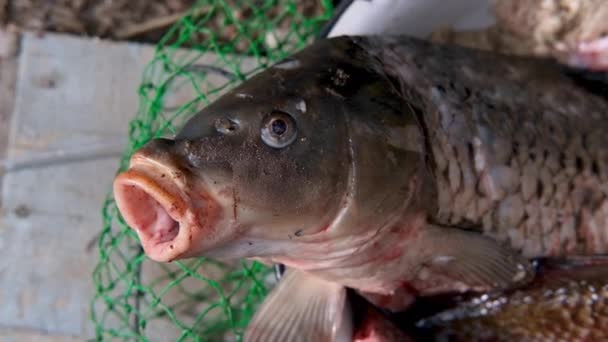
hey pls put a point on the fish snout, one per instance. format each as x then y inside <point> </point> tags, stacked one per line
<point>156,147</point>
<point>156,200</point>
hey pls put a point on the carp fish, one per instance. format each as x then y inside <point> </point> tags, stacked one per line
<point>573,32</point>
<point>566,301</point>
<point>389,166</point>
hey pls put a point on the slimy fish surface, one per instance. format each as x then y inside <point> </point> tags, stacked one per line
<point>568,303</point>
<point>389,166</point>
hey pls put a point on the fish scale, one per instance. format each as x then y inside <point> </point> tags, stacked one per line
<point>525,191</point>
<point>570,304</point>
<point>509,161</point>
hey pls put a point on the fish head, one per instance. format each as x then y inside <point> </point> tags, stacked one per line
<point>267,161</point>
<point>272,163</point>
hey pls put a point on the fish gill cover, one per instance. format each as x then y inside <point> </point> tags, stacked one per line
<point>217,45</point>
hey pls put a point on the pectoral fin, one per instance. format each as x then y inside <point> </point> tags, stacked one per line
<point>459,260</point>
<point>302,308</point>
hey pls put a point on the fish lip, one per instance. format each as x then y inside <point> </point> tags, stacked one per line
<point>152,202</point>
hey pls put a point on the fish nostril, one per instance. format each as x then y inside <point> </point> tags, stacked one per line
<point>226,126</point>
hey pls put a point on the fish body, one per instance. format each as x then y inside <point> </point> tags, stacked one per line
<point>389,165</point>
<point>564,302</point>
<point>571,31</point>
<point>567,300</point>
<point>518,148</point>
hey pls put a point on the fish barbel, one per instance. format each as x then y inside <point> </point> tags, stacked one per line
<point>388,165</point>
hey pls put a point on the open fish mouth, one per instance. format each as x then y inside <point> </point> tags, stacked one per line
<point>154,201</point>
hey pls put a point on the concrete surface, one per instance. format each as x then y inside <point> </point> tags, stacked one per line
<point>68,97</point>
<point>27,335</point>
<point>70,93</point>
<point>8,75</point>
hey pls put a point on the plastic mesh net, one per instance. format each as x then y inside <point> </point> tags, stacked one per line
<point>213,48</point>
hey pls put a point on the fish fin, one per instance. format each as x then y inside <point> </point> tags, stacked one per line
<point>571,268</point>
<point>572,261</point>
<point>302,308</point>
<point>460,260</point>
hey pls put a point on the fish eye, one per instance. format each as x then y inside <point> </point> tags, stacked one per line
<point>278,129</point>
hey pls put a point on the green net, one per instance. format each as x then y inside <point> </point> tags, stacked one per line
<point>213,48</point>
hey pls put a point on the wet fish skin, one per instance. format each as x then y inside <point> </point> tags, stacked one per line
<point>518,146</point>
<point>314,205</point>
<point>412,173</point>
<point>268,193</point>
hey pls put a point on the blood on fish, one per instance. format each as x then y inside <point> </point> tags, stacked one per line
<point>408,287</point>
<point>393,253</point>
<point>384,300</point>
<point>365,331</point>
<point>375,328</point>
<point>210,213</point>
